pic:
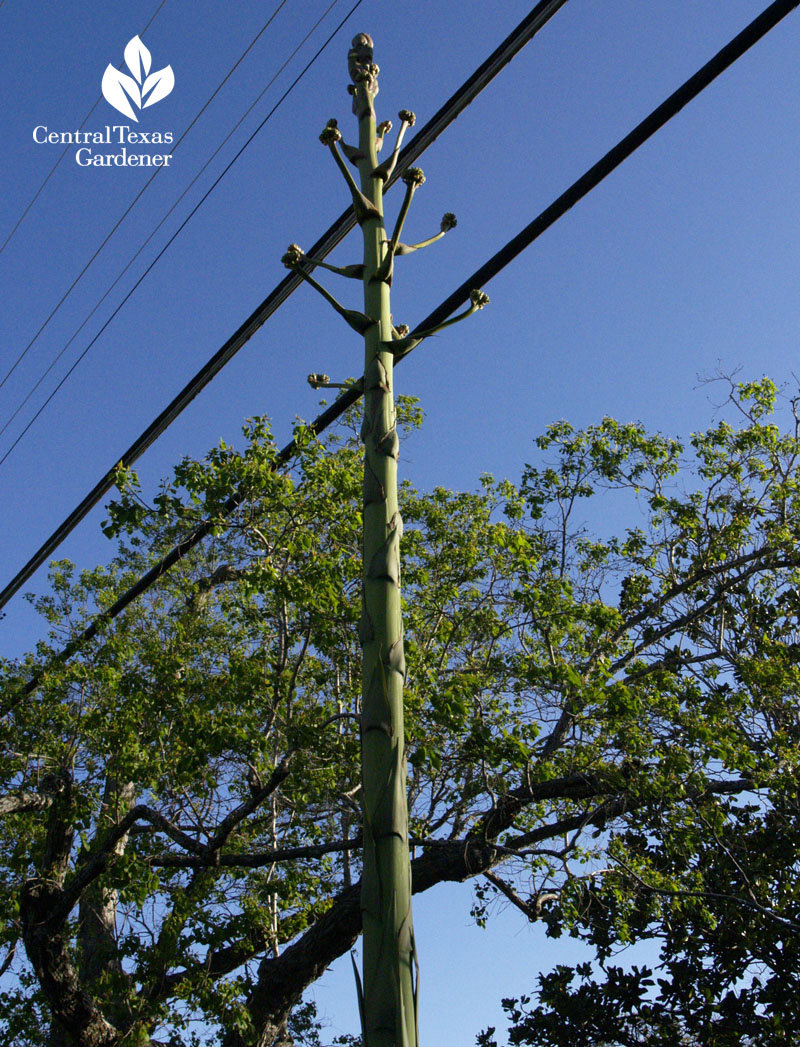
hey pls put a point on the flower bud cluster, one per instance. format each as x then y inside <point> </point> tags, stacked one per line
<point>293,257</point>
<point>366,73</point>
<point>331,134</point>
<point>413,176</point>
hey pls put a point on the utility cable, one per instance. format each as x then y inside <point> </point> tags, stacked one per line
<point>22,217</point>
<point>183,224</point>
<point>163,219</point>
<point>758,28</point>
<point>447,113</point>
<point>689,90</point>
<point>128,210</point>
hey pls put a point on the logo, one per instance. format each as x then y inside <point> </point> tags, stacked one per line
<point>143,88</point>
<point>126,94</point>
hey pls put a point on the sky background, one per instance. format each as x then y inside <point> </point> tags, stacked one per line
<point>683,262</point>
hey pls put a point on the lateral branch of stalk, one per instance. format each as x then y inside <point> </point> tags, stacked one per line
<point>364,208</point>
<point>448,223</point>
<point>323,381</point>
<point>295,259</point>
<point>402,342</point>
<point>359,321</point>
<point>403,345</point>
<point>384,170</point>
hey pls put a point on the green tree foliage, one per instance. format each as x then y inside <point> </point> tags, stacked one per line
<point>705,868</point>
<point>601,730</point>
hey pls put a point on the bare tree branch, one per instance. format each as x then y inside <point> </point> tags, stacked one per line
<point>256,859</point>
<point>18,803</point>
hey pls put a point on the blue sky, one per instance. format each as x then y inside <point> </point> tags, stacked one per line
<point>684,261</point>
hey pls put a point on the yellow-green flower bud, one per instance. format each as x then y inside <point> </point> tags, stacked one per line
<point>293,257</point>
<point>331,134</point>
<point>383,128</point>
<point>413,176</point>
<point>407,117</point>
<point>479,299</point>
<point>402,330</point>
<point>317,380</point>
<point>367,72</point>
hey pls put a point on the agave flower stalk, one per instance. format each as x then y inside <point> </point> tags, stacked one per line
<point>388,991</point>
<point>389,994</point>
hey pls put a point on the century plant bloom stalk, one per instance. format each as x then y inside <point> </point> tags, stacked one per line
<point>388,991</point>
<point>389,1003</point>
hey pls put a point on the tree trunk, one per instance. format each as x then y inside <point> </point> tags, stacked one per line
<point>97,931</point>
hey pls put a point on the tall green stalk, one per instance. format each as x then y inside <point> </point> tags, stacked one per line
<point>389,1005</point>
<point>388,991</point>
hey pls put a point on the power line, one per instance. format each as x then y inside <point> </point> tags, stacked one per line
<point>183,224</point>
<point>163,219</point>
<point>446,114</point>
<point>124,215</point>
<point>24,214</point>
<point>689,90</point>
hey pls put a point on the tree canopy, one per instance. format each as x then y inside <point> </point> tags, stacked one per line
<point>602,726</point>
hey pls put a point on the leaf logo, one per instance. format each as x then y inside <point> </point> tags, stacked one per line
<point>143,88</point>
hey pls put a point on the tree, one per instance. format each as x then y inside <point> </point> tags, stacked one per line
<point>711,879</point>
<point>600,729</point>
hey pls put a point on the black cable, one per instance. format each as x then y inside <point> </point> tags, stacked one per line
<point>163,219</point>
<point>447,113</point>
<point>180,228</point>
<point>122,218</point>
<point>588,181</point>
<point>24,214</point>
